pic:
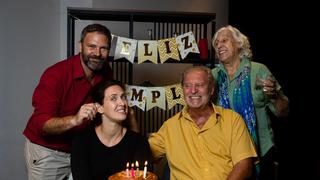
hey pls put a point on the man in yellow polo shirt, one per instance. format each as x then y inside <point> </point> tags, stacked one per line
<point>204,141</point>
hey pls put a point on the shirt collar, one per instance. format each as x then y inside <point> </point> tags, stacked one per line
<point>213,119</point>
<point>78,71</point>
<point>244,62</point>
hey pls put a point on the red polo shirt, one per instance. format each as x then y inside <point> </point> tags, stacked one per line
<point>62,89</point>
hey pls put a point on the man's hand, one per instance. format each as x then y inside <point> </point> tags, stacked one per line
<point>86,112</point>
<point>59,125</point>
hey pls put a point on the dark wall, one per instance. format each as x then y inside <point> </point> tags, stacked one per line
<point>274,31</point>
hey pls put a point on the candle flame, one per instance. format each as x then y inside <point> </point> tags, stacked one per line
<point>146,163</point>
<point>137,164</point>
<point>132,165</point>
<point>127,164</point>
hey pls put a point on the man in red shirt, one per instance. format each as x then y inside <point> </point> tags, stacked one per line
<point>62,105</point>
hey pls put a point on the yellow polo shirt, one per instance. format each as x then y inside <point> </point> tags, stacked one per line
<point>207,153</point>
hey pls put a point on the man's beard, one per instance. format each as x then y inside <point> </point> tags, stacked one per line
<point>94,63</point>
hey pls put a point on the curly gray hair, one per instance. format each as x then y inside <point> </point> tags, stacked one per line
<point>245,50</point>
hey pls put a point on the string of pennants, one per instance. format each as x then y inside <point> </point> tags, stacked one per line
<point>149,49</point>
<point>165,97</point>
<point>146,98</point>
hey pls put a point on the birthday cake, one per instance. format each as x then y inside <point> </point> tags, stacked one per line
<point>123,176</point>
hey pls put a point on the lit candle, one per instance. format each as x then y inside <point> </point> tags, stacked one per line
<point>145,169</point>
<point>132,170</point>
<point>127,170</point>
<point>137,170</point>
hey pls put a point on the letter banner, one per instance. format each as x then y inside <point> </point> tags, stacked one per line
<point>168,48</point>
<point>148,50</point>
<point>148,97</point>
<point>136,96</point>
<point>156,97</point>
<point>125,48</point>
<point>186,44</point>
<point>174,95</point>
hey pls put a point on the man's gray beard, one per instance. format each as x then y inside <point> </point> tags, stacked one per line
<point>86,61</point>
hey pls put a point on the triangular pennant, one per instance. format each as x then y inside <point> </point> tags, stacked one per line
<point>186,44</point>
<point>147,50</point>
<point>125,48</point>
<point>168,48</point>
<point>174,95</point>
<point>136,96</point>
<point>156,97</point>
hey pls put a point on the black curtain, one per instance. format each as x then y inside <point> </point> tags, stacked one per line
<point>277,31</point>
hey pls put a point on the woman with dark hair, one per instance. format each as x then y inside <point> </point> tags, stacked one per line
<point>107,146</point>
